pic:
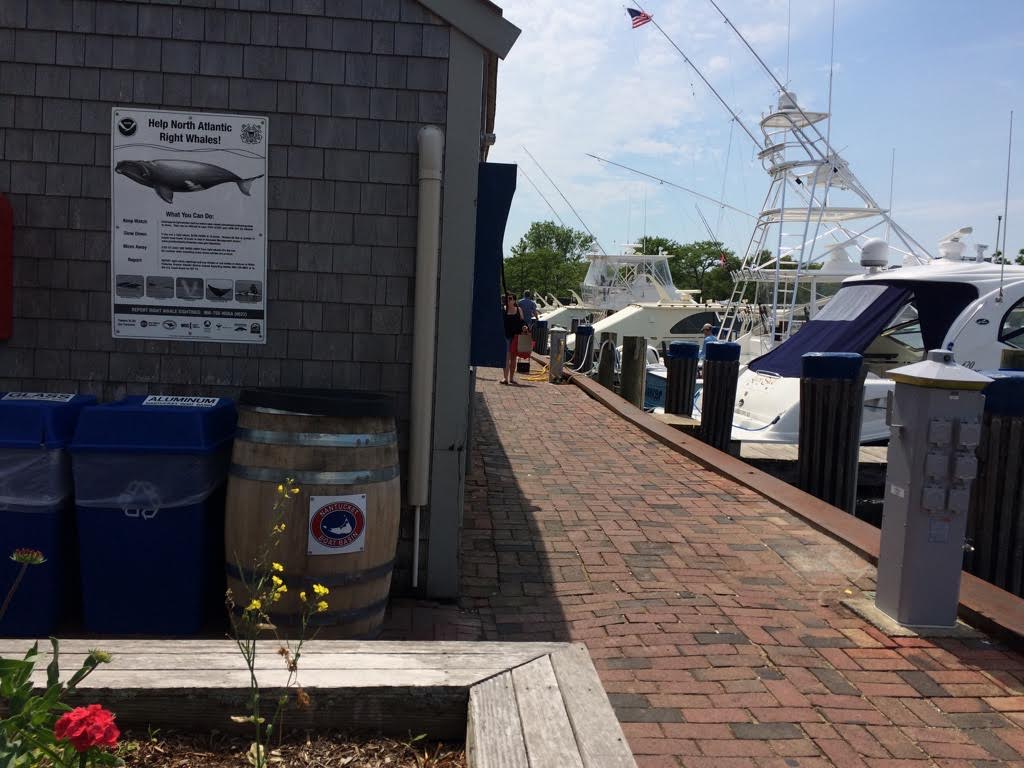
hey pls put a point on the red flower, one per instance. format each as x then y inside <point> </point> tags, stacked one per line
<point>87,727</point>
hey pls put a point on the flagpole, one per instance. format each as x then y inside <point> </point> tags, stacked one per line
<point>700,74</point>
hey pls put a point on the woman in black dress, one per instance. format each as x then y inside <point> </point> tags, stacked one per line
<point>514,325</point>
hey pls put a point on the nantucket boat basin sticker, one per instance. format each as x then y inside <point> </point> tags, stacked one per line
<point>337,524</point>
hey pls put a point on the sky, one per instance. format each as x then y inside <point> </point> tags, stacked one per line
<point>934,80</point>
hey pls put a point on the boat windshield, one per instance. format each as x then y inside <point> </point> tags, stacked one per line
<point>614,281</point>
<point>1011,330</point>
<point>889,323</point>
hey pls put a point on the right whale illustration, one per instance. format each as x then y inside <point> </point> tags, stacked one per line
<point>169,176</point>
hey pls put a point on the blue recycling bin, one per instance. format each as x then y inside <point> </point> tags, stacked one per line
<point>149,500</point>
<point>35,508</point>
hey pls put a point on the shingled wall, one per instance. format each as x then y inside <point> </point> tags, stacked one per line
<point>346,85</point>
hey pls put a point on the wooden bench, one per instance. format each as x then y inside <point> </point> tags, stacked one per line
<point>518,705</point>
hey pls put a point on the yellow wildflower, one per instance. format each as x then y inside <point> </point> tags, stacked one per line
<point>278,568</point>
<point>302,596</point>
<point>279,528</point>
<point>255,605</point>
<point>280,488</point>
<point>320,590</point>
<point>277,581</point>
<point>295,491</point>
<point>322,606</point>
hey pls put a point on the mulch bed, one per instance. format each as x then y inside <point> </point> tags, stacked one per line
<point>178,750</point>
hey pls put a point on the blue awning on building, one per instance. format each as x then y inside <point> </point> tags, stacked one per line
<point>497,185</point>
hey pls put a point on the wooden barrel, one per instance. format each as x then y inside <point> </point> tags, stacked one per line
<point>341,530</point>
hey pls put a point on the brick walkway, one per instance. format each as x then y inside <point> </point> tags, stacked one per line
<point>712,615</point>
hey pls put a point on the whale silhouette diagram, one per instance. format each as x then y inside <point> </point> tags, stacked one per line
<point>169,176</point>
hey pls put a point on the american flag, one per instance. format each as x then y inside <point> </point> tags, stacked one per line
<point>639,17</point>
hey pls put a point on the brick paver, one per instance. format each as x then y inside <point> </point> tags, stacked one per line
<point>712,615</point>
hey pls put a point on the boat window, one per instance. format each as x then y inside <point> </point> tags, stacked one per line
<point>693,324</point>
<point>661,273</point>
<point>907,334</point>
<point>1012,329</point>
<point>850,302</point>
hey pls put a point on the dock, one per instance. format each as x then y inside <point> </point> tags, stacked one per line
<point>784,452</point>
<point>710,603</point>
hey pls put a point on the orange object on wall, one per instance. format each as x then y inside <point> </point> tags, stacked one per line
<point>6,268</point>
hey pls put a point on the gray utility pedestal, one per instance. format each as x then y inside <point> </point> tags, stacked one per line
<point>936,427</point>
<point>556,354</point>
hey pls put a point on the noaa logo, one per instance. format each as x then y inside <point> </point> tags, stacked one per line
<point>337,524</point>
<point>127,126</point>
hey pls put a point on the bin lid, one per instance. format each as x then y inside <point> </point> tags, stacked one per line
<point>156,424</point>
<point>39,419</point>
<point>345,403</point>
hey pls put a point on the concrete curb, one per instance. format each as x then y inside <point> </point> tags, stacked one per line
<point>982,605</point>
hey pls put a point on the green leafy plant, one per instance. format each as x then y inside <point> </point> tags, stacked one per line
<point>27,731</point>
<point>252,621</point>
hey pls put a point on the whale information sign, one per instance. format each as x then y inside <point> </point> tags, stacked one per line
<point>189,226</point>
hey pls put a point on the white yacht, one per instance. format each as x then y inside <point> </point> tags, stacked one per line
<point>614,281</point>
<point>892,317</point>
<point>632,294</point>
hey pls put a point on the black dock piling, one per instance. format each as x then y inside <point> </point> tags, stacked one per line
<point>583,351</point>
<point>995,525</point>
<point>606,362</point>
<point>831,412</point>
<point>540,336</point>
<point>681,362</point>
<point>634,369</point>
<point>721,372</point>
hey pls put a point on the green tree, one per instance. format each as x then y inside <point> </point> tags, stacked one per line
<point>548,259</point>
<point>1020,257</point>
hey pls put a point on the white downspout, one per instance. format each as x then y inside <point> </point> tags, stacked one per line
<point>431,147</point>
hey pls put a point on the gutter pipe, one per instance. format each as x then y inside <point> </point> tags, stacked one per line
<point>431,150</point>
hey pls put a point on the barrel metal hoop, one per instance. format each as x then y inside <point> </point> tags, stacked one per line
<point>269,437</point>
<point>327,618</point>
<point>279,475</point>
<point>328,580</point>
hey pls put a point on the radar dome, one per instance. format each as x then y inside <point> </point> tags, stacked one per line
<point>875,253</point>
